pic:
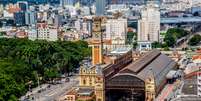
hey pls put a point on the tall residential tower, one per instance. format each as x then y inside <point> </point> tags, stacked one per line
<point>149,25</point>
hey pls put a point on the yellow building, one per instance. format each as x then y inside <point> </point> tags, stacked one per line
<point>92,77</point>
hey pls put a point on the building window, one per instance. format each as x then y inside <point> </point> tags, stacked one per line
<point>90,81</point>
<point>84,81</point>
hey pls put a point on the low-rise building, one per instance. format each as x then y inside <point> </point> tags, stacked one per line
<point>70,35</point>
<point>145,76</point>
<point>32,34</point>
<point>21,34</point>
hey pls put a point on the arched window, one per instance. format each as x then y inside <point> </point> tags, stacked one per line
<point>84,82</point>
<point>90,81</point>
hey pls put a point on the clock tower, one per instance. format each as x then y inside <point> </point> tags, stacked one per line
<point>97,41</point>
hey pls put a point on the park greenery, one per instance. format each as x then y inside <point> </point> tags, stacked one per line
<point>195,40</point>
<point>173,34</point>
<point>2,33</point>
<point>132,39</point>
<point>23,61</point>
<point>170,38</point>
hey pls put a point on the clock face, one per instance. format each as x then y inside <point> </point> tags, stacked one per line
<point>97,35</point>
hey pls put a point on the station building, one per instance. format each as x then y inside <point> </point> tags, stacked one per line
<point>120,74</point>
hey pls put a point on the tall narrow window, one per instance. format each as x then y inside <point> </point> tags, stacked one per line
<point>84,82</point>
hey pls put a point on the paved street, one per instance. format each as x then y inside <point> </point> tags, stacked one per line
<point>165,92</point>
<point>170,91</point>
<point>52,93</point>
<point>185,43</point>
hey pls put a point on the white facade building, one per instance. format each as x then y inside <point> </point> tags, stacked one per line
<point>149,24</point>
<point>196,67</point>
<point>46,32</point>
<point>176,5</point>
<point>199,82</point>
<point>87,27</point>
<point>78,25</point>
<point>67,2</point>
<point>32,34</point>
<point>116,31</point>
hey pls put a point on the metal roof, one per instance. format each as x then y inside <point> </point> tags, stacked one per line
<point>85,91</point>
<point>140,64</point>
<point>152,64</point>
<point>121,50</point>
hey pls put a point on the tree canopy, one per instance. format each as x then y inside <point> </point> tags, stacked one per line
<point>22,60</point>
<point>131,37</point>
<point>173,34</point>
<point>195,40</point>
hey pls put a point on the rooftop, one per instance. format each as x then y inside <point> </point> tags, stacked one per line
<point>121,50</point>
<point>85,91</point>
<point>140,64</point>
<point>152,63</point>
<point>190,85</point>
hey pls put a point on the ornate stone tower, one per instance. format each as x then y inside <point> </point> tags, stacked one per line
<point>97,41</point>
<point>150,88</point>
<point>99,86</point>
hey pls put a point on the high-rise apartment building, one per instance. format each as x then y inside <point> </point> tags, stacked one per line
<point>19,18</point>
<point>87,26</point>
<point>100,7</point>
<point>23,5</point>
<point>149,24</point>
<point>67,2</point>
<point>58,20</point>
<point>78,24</point>
<point>116,31</point>
<point>30,18</point>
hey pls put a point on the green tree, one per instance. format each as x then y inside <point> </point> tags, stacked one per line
<point>2,33</point>
<point>156,44</point>
<point>194,40</point>
<point>51,73</point>
<point>135,45</point>
<point>131,37</point>
<point>170,40</point>
<point>166,49</point>
<point>22,61</point>
<point>173,34</point>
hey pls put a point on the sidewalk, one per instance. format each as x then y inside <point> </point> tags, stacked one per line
<point>165,92</point>
<point>35,90</point>
<point>168,91</point>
